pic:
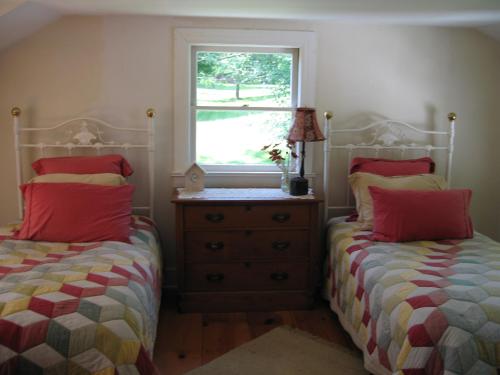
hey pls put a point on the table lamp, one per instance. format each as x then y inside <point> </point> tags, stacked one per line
<point>304,129</point>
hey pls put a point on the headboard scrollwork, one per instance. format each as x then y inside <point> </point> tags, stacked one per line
<point>85,133</point>
<point>385,135</point>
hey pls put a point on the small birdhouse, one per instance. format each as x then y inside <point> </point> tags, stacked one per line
<point>194,178</point>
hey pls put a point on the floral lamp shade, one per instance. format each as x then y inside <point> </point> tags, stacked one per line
<point>305,126</point>
<point>304,129</point>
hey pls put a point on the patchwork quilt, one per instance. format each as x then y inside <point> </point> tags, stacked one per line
<point>417,307</point>
<point>89,308</point>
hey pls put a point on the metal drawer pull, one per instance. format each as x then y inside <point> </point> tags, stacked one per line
<point>219,245</point>
<point>214,218</point>
<point>281,245</point>
<point>215,277</point>
<point>279,276</point>
<point>281,217</point>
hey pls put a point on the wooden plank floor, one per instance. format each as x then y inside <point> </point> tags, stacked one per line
<point>187,341</point>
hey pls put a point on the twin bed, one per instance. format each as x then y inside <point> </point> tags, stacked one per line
<point>80,308</point>
<point>421,307</point>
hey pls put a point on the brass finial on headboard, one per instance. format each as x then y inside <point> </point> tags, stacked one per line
<point>328,115</point>
<point>150,112</point>
<point>452,116</point>
<point>15,112</point>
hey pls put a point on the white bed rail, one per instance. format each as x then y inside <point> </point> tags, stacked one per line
<point>88,135</point>
<point>386,135</point>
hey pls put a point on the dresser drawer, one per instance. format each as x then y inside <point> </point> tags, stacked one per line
<point>249,216</point>
<point>245,276</point>
<point>218,246</point>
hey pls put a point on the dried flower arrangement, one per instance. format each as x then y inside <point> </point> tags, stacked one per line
<point>280,154</point>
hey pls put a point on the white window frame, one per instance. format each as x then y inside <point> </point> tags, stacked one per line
<point>186,38</point>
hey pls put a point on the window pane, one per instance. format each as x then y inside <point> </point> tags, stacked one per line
<point>243,78</point>
<point>237,137</point>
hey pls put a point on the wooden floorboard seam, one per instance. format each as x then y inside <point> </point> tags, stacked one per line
<point>187,341</point>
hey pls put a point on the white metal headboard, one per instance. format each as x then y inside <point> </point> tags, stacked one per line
<point>85,133</point>
<point>387,135</point>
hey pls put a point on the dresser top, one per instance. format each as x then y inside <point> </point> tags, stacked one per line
<point>239,194</point>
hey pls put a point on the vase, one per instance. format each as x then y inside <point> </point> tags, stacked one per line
<point>285,180</point>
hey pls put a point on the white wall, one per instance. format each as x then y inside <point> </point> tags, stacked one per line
<point>407,73</point>
<point>116,67</point>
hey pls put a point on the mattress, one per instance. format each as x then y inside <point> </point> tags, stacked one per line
<point>418,307</point>
<point>89,308</point>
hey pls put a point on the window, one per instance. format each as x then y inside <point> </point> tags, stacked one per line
<point>235,91</point>
<point>241,99</point>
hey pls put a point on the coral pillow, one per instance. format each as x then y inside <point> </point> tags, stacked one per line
<point>75,212</point>
<point>411,215</point>
<point>390,167</point>
<point>361,181</point>
<point>83,165</point>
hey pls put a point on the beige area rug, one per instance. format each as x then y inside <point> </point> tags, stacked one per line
<point>286,351</point>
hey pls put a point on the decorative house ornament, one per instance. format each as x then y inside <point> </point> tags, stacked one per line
<point>194,179</point>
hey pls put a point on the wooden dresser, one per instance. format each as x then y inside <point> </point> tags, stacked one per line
<point>246,251</point>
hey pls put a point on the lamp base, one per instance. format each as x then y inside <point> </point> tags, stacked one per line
<point>299,186</point>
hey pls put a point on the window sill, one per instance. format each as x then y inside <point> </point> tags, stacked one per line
<point>246,173</point>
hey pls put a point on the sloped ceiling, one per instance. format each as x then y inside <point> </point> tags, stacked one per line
<point>19,18</point>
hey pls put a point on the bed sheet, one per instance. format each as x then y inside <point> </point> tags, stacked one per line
<point>419,307</point>
<point>87,308</point>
